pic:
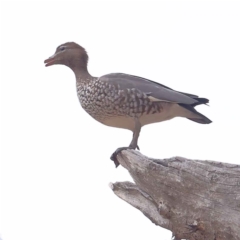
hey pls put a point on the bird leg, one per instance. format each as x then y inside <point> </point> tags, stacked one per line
<point>133,144</point>
<point>137,129</point>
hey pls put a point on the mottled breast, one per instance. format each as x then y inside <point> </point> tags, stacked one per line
<point>102,101</point>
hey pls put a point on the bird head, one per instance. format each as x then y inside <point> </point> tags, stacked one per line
<point>69,54</point>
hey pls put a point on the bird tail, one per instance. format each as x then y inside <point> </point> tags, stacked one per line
<point>202,120</point>
<point>197,116</point>
<point>200,101</point>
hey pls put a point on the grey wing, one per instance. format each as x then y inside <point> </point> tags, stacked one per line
<point>155,91</point>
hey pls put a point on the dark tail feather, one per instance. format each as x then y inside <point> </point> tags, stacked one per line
<point>201,118</point>
<point>200,101</point>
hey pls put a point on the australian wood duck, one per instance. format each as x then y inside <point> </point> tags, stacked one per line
<point>122,100</point>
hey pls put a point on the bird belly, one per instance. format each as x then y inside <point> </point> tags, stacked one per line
<point>154,118</point>
<point>119,122</point>
<point>167,112</point>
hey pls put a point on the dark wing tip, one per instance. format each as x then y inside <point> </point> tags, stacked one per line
<point>200,101</point>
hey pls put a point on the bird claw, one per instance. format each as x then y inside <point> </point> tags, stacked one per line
<point>114,155</point>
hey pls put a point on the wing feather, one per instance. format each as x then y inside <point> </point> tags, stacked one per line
<point>156,91</point>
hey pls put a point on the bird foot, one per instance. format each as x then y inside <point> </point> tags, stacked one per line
<point>114,155</point>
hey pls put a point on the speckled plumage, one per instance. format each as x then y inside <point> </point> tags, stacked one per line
<point>122,100</point>
<point>104,101</point>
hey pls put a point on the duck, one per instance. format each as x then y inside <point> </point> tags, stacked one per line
<point>122,100</point>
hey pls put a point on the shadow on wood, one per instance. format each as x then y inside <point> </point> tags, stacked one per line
<point>196,200</point>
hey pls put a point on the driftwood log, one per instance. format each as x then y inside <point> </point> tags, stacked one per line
<point>196,200</point>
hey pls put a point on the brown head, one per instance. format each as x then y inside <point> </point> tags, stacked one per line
<point>71,55</point>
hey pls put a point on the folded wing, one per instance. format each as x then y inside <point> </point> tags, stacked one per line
<point>155,91</point>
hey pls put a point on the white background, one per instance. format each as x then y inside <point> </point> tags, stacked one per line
<point>55,165</point>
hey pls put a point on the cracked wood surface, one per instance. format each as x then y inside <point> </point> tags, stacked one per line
<point>194,199</point>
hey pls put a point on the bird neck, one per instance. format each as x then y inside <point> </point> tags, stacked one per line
<point>79,66</point>
<point>82,75</point>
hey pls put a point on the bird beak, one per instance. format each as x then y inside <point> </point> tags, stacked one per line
<point>50,61</point>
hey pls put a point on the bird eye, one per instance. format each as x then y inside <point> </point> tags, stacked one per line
<point>62,48</point>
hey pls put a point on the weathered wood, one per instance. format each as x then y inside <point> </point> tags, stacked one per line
<point>194,199</point>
